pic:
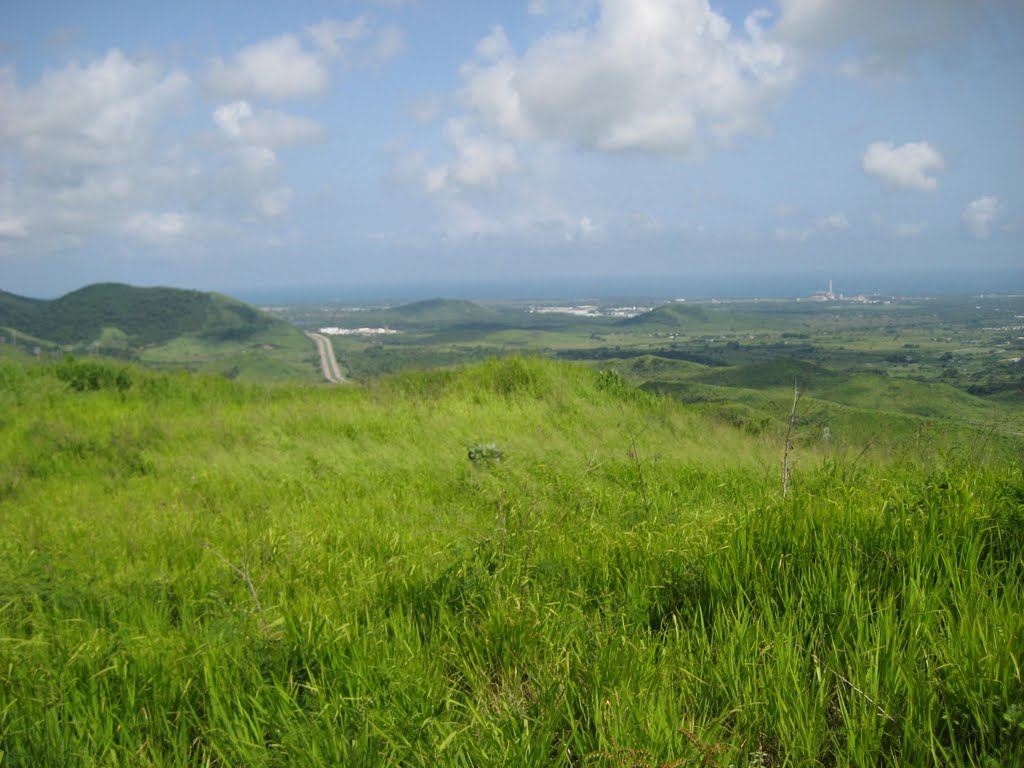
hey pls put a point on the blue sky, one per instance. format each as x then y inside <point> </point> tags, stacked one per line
<point>230,145</point>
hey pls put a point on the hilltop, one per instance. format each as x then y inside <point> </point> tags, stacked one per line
<point>430,314</point>
<point>668,316</point>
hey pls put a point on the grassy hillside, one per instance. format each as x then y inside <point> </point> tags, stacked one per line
<point>166,327</point>
<point>143,315</point>
<point>517,563</point>
<point>667,316</point>
<point>428,315</point>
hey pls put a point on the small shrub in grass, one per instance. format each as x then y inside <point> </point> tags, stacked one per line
<point>481,453</point>
<point>93,375</point>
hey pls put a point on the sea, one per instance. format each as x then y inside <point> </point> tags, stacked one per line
<point>579,288</point>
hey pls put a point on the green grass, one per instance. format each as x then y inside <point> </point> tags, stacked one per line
<point>195,571</point>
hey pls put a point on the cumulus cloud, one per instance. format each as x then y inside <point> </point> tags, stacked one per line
<point>479,162</point>
<point>333,36</point>
<point>358,42</point>
<point>980,214</point>
<point>278,69</point>
<point>657,76</point>
<point>87,145</point>
<point>253,135</point>
<point>494,45</point>
<point>270,128</point>
<point>907,165</point>
<point>98,113</point>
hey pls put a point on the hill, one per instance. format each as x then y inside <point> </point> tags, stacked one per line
<point>783,372</point>
<point>143,315</point>
<point>164,327</point>
<point>428,315</point>
<point>667,316</point>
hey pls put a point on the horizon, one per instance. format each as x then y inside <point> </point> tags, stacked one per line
<point>708,286</point>
<point>404,141</point>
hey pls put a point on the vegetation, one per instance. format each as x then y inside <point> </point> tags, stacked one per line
<point>520,562</point>
<point>166,327</point>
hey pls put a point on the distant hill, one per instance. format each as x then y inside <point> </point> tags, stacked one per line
<point>668,316</point>
<point>431,313</point>
<point>783,372</point>
<point>140,316</point>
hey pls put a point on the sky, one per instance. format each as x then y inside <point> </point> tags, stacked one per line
<point>235,145</point>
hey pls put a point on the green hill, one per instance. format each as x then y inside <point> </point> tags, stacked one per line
<point>784,372</point>
<point>667,316</point>
<point>448,311</point>
<point>431,314</point>
<point>861,397</point>
<point>164,327</point>
<point>143,315</point>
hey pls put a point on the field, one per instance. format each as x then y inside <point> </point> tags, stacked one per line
<point>969,342</point>
<point>519,562</point>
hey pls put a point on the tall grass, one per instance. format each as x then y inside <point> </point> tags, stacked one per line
<point>625,586</point>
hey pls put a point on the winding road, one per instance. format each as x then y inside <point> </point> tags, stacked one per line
<point>328,362</point>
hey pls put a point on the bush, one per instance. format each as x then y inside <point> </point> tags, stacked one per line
<point>480,453</point>
<point>93,375</point>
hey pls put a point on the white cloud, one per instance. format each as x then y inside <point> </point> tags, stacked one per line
<point>88,146</point>
<point>156,228</point>
<point>357,42</point>
<point>278,69</point>
<point>229,117</point>
<point>13,226</point>
<point>907,165</point>
<point>255,160</point>
<point>94,114</point>
<point>980,214</point>
<point>388,43</point>
<point>269,127</point>
<point>658,76</point>
<point>275,202</point>
<point>479,162</point>
<point>494,45</point>
<point>332,36</point>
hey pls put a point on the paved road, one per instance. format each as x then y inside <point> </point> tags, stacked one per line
<point>328,362</point>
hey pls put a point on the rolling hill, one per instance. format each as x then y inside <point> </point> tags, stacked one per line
<point>165,327</point>
<point>667,316</point>
<point>430,314</point>
<point>143,315</point>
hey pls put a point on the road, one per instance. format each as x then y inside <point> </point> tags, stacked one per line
<point>328,362</point>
